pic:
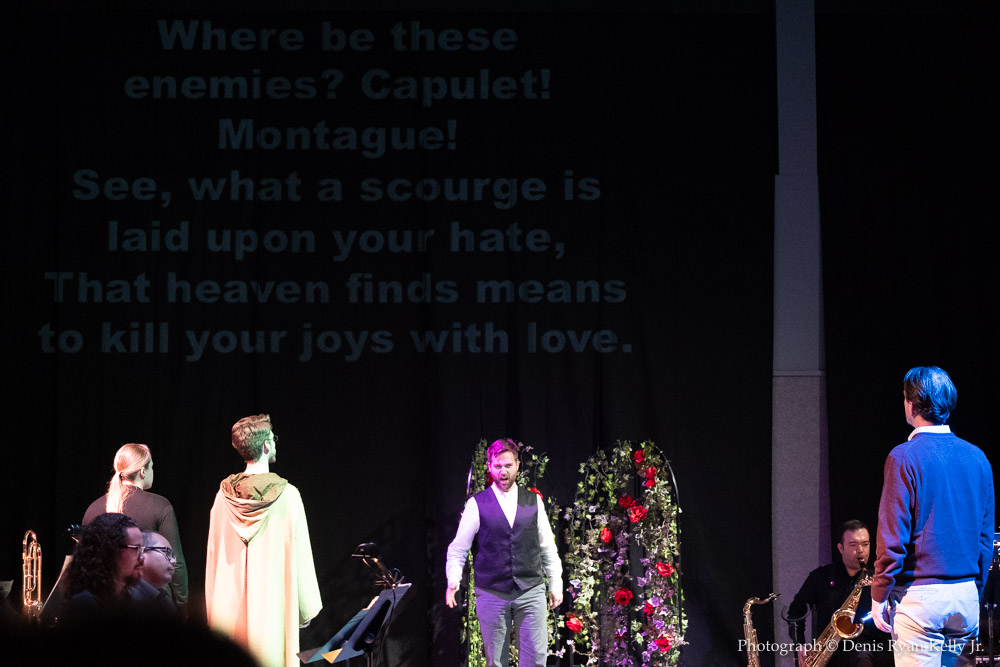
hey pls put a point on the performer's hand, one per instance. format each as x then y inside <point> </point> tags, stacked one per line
<point>449,595</point>
<point>880,617</point>
<point>554,600</point>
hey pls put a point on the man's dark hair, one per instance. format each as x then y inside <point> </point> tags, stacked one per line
<point>932,393</point>
<point>851,525</point>
<point>95,559</point>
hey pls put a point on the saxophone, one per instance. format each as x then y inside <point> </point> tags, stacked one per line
<point>753,659</point>
<point>841,625</point>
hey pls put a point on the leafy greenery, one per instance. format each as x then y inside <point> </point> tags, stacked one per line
<point>623,561</point>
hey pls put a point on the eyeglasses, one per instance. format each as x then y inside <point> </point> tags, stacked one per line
<point>167,552</point>
<point>138,549</point>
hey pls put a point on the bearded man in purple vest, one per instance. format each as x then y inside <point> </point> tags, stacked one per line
<point>513,552</point>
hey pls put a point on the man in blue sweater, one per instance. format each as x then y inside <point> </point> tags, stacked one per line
<point>935,531</point>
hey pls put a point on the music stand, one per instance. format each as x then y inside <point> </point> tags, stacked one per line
<point>55,603</point>
<point>990,602</point>
<point>359,634</point>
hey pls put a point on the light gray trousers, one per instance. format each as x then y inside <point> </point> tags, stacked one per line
<point>526,612</point>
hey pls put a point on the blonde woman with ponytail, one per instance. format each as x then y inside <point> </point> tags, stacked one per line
<point>133,470</point>
<point>128,493</point>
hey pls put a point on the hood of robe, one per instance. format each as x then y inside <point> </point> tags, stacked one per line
<point>249,499</point>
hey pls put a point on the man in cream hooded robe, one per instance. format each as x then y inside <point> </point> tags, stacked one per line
<point>260,582</point>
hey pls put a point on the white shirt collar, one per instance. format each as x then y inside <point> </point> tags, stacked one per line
<point>936,428</point>
<point>505,494</point>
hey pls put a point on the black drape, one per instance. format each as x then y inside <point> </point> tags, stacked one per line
<point>618,169</point>
<point>908,140</point>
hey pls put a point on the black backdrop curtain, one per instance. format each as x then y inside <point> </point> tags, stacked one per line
<point>624,165</point>
<point>908,173</point>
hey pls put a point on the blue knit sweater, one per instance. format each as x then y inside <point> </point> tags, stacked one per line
<point>936,516</point>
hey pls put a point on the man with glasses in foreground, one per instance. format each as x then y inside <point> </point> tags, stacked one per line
<point>157,573</point>
<point>106,562</point>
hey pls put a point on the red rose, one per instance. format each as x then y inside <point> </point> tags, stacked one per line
<point>623,596</point>
<point>639,456</point>
<point>649,609</point>
<point>636,513</point>
<point>650,472</point>
<point>574,623</point>
<point>538,492</point>
<point>626,501</point>
<point>650,483</point>
<point>605,535</point>
<point>664,642</point>
<point>665,569</point>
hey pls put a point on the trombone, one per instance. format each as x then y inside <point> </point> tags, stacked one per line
<point>31,576</point>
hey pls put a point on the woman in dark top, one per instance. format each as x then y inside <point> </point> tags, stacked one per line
<point>128,494</point>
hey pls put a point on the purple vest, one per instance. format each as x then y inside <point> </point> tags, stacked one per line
<point>507,559</point>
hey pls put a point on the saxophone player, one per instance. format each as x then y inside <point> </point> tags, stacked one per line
<point>825,590</point>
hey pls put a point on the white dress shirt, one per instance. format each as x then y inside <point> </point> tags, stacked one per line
<point>936,428</point>
<point>458,550</point>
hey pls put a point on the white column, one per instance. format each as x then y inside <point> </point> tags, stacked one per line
<point>800,496</point>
